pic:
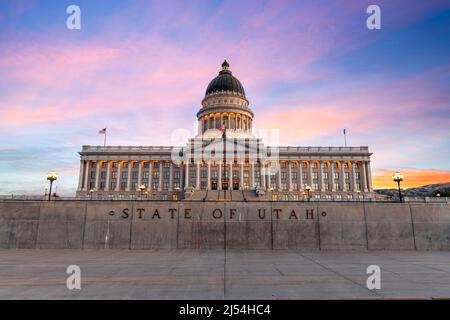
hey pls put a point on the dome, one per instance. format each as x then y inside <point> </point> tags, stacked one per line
<point>225,82</point>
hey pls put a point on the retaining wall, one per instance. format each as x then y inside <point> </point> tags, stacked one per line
<point>237,225</point>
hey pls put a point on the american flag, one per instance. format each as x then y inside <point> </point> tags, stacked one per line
<point>222,129</point>
<point>103,131</point>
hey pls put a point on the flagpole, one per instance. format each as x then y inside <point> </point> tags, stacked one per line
<point>104,141</point>
<point>345,139</point>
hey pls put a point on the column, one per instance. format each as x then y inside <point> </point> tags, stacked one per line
<point>263,174</point>
<point>97,175</point>
<point>342,177</point>
<point>310,178</point>
<point>219,187</point>
<point>161,165</point>
<point>197,184</point>
<point>80,177</point>
<point>321,176</point>
<point>363,178</point>
<point>369,176</point>
<point>119,178</point>
<point>186,183</point>
<point>353,177</point>
<point>252,175</point>
<point>241,183</point>
<point>289,177</point>
<point>221,120</point>
<point>279,176</point>
<point>150,175</point>
<point>230,178</point>
<point>171,176</point>
<point>108,175</point>
<point>269,183</point>
<point>215,122</point>
<point>129,176</point>
<point>86,175</point>
<point>300,177</point>
<point>139,173</point>
<point>331,178</point>
<point>208,182</point>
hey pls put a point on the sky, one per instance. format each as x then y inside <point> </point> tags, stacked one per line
<point>140,68</point>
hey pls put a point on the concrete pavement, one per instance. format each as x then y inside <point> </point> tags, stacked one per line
<point>219,274</point>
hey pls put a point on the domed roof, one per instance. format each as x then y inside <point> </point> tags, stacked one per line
<point>225,81</point>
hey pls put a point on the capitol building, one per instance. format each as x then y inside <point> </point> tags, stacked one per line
<point>225,161</point>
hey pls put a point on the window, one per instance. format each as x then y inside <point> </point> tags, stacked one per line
<point>293,165</point>
<point>294,175</point>
<point>314,165</point>
<point>166,174</point>
<point>315,175</point>
<point>165,185</point>
<point>113,185</point>
<point>114,174</point>
<point>235,173</point>
<point>345,165</point>
<point>102,185</point>
<point>315,186</point>
<point>295,197</point>
<point>146,165</point>
<point>204,173</point>
<point>123,185</point>
<point>125,165</point>
<point>336,175</point>
<point>283,175</point>
<point>103,175</point>
<point>114,165</point>
<point>326,186</point>
<point>134,175</point>
<point>285,197</point>
<point>347,175</point>
<point>214,173</point>
<point>134,186</point>
<point>336,186</point>
<point>136,165</point>
<point>304,166</point>
<point>294,185</point>
<point>166,164</point>
<point>274,197</point>
<point>257,174</point>
<point>104,165</point>
<point>325,175</point>
<point>246,174</point>
<point>176,174</point>
<point>304,175</point>
<point>92,175</point>
<point>193,174</point>
<point>124,175</point>
<point>357,175</point>
<point>284,185</point>
<point>283,165</point>
<point>145,175</point>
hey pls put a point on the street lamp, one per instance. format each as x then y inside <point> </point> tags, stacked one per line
<point>359,195</point>
<point>308,189</point>
<point>90,193</point>
<point>141,190</point>
<point>397,177</point>
<point>51,176</point>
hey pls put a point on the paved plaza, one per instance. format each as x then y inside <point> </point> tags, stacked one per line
<point>220,274</point>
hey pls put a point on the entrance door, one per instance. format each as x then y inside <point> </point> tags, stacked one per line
<point>224,185</point>
<point>235,185</point>
<point>214,185</point>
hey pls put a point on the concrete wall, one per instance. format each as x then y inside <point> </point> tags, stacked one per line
<point>237,225</point>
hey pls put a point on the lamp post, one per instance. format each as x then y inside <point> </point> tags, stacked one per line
<point>141,190</point>
<point>51,176</point>
<point>308,190</point>
<point>91,193</point>
<point>359,195</point>
<point>397,177</point>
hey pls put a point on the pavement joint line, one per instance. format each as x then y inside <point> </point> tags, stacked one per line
<point>338,273</point>
<point>413,263</point>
